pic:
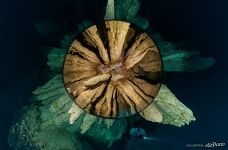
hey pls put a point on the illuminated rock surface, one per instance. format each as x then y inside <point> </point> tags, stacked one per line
<point>52,118</point>
<point>27,133</point>
<point>110,10</point>
<point>113,71</point>
<point>176,59</point>
<point>167,109</point>
<point>53,121</point>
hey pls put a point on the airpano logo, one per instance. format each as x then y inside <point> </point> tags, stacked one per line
<point>215,144</point>
<point>207,145</point>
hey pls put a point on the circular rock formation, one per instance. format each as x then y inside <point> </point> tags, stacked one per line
<point>112,70</point>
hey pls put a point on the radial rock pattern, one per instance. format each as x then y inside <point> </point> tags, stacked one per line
<point>112,70</point>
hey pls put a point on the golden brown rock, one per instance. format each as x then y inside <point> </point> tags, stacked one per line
<point>113,70</point>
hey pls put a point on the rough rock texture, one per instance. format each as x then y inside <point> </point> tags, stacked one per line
<point>185,61</point>
<point>60,103</point>
<point>127,10</point>
<point>113,71</point>
<point>53,116</point>
<point>55,58</point>
<point>27,133</point>
<point>167,109</point>
<point>54,122</point>
<point>110,10</point>
<point>151,113</point>
<point>179,60</point>
<point>74,112</point>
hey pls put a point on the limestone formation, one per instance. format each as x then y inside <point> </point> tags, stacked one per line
<point>176,59</point>
<point>53,115</point>
<point>109,66</point>
<point>113,71</point>
<point>167,109</point>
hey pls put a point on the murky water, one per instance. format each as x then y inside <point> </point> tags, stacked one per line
<point>200,25</point>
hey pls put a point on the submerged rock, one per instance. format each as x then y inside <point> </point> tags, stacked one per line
<point>54,122</point>
<point>53,116</point>
<point>167,109</point>
<point>110,10</point>
<point>105,70</point>
<point>27,133</point>
<point>179,60</point>
<point>127,10</point>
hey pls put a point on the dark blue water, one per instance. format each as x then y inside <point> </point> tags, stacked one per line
<point>201,25</point>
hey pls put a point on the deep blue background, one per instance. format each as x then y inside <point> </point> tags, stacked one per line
<point>201,24</point>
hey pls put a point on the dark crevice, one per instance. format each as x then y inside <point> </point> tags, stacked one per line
<point>103,34</point>
<point>92,110</point>
<point>131,41</point>
<point>141,89</point>
<point>84,43</point>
